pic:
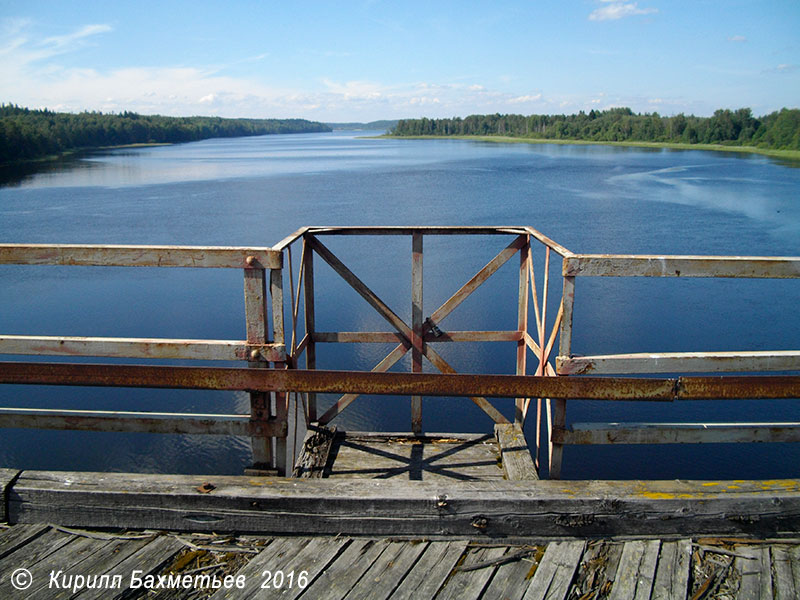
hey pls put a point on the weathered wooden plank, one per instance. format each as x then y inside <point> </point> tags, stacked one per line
<point>680,362</point>
<point>7,476</point>
<point>313,558</point>
<point>385,574</point>
<point>511,580</point>
<point>755,571</point>
<point>314,453</point>
<point>469,585</point>
<point>677,433</point>
<point>516,457</point>
<point>555,572</point>
<point>672,574</point>
<point>417,318</point>
<point>339,578</point>
<point>149,559</point>
<point>516,509</point>
<point>623,265</point>
<point>94,420</point>
<point>42,345</point>
<point>636,571</point>
<point>783,578</point>
<point>30,554</point>
<point>277,556</point>
<point>17,536</point>
<point>140,256</point>
<point>430,571</point>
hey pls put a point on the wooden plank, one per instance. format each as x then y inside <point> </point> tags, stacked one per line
<point>417,319</point>
<point>17,536</point>
<point>680,362</point>
<point>469,585</point>
<point>277,556</point>
<point>516,456</point>
<point>672,574</point>
<point>7,477</point>
<point>554,574</point>
<point>341,575</point>
<point>636,571</point>
<point>125,421</point>
<point>314,453</point>
<point>430,571</point>
<point>511,579</point>
<point>385,574</point>
<point>140,256</point>
<point>516,509</point>
<point>42,345</point>
<point>624,265</point>
<point>783,578</point>
<point>149,559</point>
<point>31,553</point>
<point>676,433</point>
<point>755,571</point>
<point>313,559</point>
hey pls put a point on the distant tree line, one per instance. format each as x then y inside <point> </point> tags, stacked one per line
<point>27,134</point>
<point>778,130</point>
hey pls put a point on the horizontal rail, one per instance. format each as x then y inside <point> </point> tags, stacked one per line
<point>409,230</point>
<point>676,433</point>
<point>629,265</point>
<point>139,348</point>
<point>404,384</point>
<point>141,256</point>
<point>680,362</point>
<point>388,337</point>
<point>139,422</point>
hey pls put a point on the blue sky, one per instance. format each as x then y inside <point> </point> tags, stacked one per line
<point>360,61</point>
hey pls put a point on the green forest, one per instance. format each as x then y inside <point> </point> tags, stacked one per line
<point>779,130</point>
<point>27,134</point>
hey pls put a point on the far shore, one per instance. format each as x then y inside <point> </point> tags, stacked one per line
<point>793,155</point>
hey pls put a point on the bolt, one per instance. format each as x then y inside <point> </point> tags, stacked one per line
<point>255,354</point>
<point>250,260</point>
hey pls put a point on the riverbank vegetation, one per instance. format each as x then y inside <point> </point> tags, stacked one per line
<point>27,134</point>
<point>779,130</point>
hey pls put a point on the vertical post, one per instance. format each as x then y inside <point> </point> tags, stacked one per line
<point>558,418</point>
<point>416,325</point>
<point>522,325</point>
<point>256,323</point>
<point>308,308</point>
<point>279,337</point>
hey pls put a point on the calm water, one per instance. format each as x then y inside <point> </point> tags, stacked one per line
<point>255,191</point>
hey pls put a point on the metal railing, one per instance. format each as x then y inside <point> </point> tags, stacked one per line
<point>274,390</point>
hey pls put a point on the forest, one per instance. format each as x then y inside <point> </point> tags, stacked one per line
<point>777,130</point>
<point>27,134</point>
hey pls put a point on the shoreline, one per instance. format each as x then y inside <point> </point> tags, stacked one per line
<point>66,154</point>
<point>791,155</point>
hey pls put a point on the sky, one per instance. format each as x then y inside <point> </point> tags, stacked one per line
<point>372,59</point>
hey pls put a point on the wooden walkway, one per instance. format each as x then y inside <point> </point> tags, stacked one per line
<point>67,563</point>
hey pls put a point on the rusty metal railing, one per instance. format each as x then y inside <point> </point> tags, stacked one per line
<point>273,390</point>
<point>267,419</point>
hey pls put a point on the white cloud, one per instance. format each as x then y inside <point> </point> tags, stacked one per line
<point>615,9</point>
<point>521,99</point>
<point>737,39</point>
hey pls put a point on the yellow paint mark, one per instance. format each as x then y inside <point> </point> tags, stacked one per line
<point>710,483</point>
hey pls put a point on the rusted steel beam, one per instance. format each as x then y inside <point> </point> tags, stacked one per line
<point>680,362</point>
<point>125,421</point>
<point>417,318</point>
<point>426,384</point>
<point>140,256</point>
<point>558,248</point>
<point>290,239</point>
<point>406,230</point>
<point>138,347</point>
<point>624,265</point>
<point>389,337</point>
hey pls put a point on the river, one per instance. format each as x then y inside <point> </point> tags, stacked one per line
<point>255,191</point>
